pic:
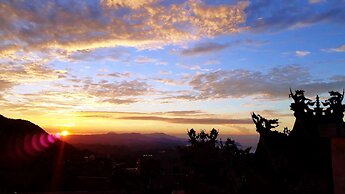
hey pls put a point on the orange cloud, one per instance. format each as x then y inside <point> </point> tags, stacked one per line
<point>30,72</point>
<point>78,27</point>
<point>126,3</point>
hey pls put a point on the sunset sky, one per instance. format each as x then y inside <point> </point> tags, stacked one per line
<point>165,66</point>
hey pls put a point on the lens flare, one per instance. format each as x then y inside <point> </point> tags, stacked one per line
<point>44,140</point>
<point>51,138</point>
<point>57,135</point>
<point>28,145</point>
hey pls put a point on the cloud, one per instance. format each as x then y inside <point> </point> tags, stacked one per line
<point>164,72</point>
<point>273,113</point>
<point>302,53</point>
<point>30,72</point>
<point>126,3</point>
<point>274,84</point>
<point>210,47</point>
<point>205,121</point>
<point>204,48</point>
<point>120,101</point>
<point>271,15</point>
<point>186,112</point>
<point>315,1</point>
<point>6,50</point>
<point>212,62</point>
<point>172,82</point>
<point>143,60</point>
<point>116,92</point>
<point>115,75</point>
<point>4,86</point>
<point>86,25</point>
<point>183,97</point>
<point>338,49</point>
<point>43,100</point>
<point>114,54</point>
<point>73,93</point>
<point>192,67</point>
<point>176,117</point>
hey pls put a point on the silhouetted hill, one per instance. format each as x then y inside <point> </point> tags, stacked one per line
<point>16,137</point>
<point>31,159</point>
<point>19,138</point>
<point>128,139</point>
<point>14,127</point>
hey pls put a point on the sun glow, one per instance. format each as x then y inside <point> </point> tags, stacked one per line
<point>64,133</point>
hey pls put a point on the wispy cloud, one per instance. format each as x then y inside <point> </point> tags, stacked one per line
<point>176,113</point>
<point>122,92</point>
<point>144,60</point>
<point>30,72</point>
<point>192,67</point>
<point>274,84</point>
<point>177,117</point>
<point>113,54</point>
<point>279,15</point>
<point>208,121</point>
<point>115,75</point>
<point>302,53</point>
<point>164,72</point>
<point>127,4</point>
<point>204,48</point>
<point>120,101</point>
<point>315,1</point>
<point>211,47</point>
<point>4,86</point>
<point>337,49</point>
<point>172,82</point>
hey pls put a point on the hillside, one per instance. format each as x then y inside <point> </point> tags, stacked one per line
<point>31,159</point>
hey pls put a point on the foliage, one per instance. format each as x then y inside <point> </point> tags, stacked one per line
<point>207,158</point>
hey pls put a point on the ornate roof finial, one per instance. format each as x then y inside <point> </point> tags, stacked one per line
<point>318,102</point>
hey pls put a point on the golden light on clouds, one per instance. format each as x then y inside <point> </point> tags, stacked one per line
<point>156,25</point>
<point>103,65</point>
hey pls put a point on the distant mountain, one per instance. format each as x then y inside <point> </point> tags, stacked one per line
<point>127,139</point>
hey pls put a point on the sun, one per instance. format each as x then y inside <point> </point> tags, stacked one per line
<point>64,133</point>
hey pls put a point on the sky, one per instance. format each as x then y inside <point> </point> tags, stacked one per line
<point>98,66</point>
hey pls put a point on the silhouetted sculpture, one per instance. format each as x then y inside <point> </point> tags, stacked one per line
<point>262,124</point>
<point>306,109</point>
<point>301,157</point>
<point>301,103</point>
<point>336,108</point>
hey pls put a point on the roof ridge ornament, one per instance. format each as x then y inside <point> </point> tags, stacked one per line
<point>332,109</point>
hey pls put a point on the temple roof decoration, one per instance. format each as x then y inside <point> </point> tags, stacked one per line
<point>331,111</point>
<point>264,125</point>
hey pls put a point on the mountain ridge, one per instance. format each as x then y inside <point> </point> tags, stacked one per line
<point>126,139</point>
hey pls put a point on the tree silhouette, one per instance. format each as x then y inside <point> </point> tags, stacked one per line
<point>203,139</point>
<point>209,158</point>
